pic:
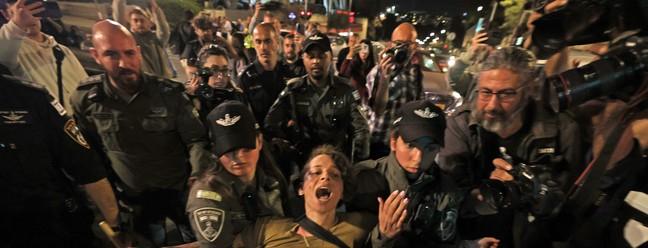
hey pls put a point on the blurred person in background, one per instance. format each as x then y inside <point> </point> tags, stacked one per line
<point>31,54</point>
<point>357,64</point>
<point>204,36</point>
<point>152,44</point>
<point>354,44</point>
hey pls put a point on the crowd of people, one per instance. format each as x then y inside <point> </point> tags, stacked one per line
<point>278,146</point>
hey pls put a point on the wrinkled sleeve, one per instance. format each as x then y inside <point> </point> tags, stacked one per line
<point>360,130</point>
<point>163,31</point>
<point>278,116</point>
<point>11,37</point>
<point>455,156</point>
<point>193,134</point>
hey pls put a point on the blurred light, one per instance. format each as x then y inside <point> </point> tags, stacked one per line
<point>292,16</point>
<point>465,14</point>
<point>432,34</point>
<point>451,61</point>
<point>480,8</point>
<point>382,16</point>
<point>443,31</point>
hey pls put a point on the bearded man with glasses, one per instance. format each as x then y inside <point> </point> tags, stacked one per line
<point>502,128</point>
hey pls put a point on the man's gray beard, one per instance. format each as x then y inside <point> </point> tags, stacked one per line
<point>496,126</point>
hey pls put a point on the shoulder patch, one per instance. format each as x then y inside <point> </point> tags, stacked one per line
<point>91,80</point>
<point>295,81</point>
<point>209,195</point>
<point>209,222</point>
<point>72,130</point>
<point>25,82</point>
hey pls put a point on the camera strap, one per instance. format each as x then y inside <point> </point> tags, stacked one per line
<point>320,232</point>
<point>59,55</point>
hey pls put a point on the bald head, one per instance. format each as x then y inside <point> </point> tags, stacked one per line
<point>115,49</point>
<point>265,43</point>
<point>404,32</point>
<point>266,28</point>
<point>105,29</point>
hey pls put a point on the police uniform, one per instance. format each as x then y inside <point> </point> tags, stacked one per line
<point>332,116</point>
<point>217,210</point>
<point>261,88</point>
<point>433,206</point>
<point>146,139</point>
<point>153,142</point>
<point>221,204</point>
<point>433,198</point>
<point>37,140</point>
<point>351,228</point>
<point>295,69</point>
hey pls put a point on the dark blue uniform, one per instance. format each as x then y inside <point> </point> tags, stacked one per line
<point>37,141</point>
<point>261,88</point>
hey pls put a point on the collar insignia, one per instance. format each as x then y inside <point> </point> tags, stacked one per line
<point>13,117</point>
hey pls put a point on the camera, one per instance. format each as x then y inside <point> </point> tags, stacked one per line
<point>204,90</point>
<point>400,53</point>
<point>531,188</point>
<point>618,73</point>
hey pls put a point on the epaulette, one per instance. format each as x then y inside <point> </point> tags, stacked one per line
<point>167,85</point>
<point>96,79</point>
<point>25,82</point>
<point>294,81</point>
<point>250,71</point>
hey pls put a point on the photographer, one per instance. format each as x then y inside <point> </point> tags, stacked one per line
<point>211,84</point>
<point>505,124</point>
<point>396,79</point>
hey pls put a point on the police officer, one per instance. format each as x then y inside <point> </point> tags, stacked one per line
<point>263,80</point>
<point>241,185</point>
<point>319,108</point>
<point>149,130</point>
<point>37,143</point>
<point>432,198</point>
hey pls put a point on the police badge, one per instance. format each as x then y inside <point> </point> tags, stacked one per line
<point>209,222</point>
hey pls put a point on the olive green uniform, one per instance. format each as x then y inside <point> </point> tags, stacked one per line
<point>351,228</point>
<point>150,139</point>
<point>221,205</point>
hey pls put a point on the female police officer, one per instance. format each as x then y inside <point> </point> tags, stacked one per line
<point>241,185</point>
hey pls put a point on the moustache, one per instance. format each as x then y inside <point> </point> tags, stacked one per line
<point>126,71</point>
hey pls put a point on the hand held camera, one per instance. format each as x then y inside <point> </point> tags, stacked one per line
<point>532,189</point>
<point>400,54</point>
<point>204,90</point>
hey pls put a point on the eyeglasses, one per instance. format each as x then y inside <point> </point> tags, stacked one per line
<point>503,95</point>
<point>220,71</point>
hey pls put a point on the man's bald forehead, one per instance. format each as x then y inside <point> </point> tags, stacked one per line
<point>405,30</point>
<point>104,28</point>
<point>265,28</point>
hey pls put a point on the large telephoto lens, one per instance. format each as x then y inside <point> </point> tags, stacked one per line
<point>622,68</point>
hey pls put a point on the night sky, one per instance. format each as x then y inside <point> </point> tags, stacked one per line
<point>437,7</point>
